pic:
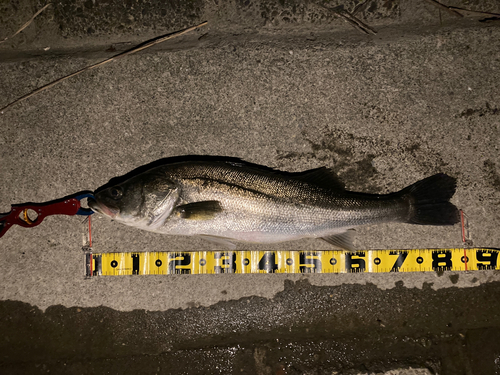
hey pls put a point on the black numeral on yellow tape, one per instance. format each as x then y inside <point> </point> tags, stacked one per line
<point>309,262</point>
<point>179,263</point>
<point>227,262</point>
<point>218,262</point>
<point>135,264</point>
<point>402,255</point>
<point>355,262</point>
<point>441,260</point>
<point>488,259</point>
<point>266,263</point>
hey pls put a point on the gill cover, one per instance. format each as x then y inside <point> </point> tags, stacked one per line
<point>160,196</point>
<point>145,200</point>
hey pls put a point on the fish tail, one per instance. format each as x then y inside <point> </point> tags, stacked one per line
<point>429,201</point>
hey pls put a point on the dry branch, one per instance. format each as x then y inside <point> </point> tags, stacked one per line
<point>445,8</point>
<point>349,18</point>
<point>474,12</point>
<point>26,24</point>
<point>138,48</point>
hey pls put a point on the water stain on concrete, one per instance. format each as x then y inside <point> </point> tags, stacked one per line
<point>479,112</point>
<point>492,174</point>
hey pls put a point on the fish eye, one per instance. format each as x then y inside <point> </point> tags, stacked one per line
<point>116,192</point>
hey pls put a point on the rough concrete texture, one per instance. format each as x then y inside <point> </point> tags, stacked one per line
<point>282,84</point>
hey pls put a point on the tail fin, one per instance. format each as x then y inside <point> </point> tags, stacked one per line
<point>430,201</point>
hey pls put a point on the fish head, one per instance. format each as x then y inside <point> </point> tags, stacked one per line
<point>143,201</point>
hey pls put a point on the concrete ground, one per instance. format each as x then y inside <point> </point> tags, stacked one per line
<point>287,85</point>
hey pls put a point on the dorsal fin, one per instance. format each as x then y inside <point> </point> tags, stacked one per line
<point>324,177</point>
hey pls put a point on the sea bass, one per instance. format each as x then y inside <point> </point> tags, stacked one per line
<point>226,201</point>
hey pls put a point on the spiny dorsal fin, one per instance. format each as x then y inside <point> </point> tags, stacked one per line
<point>342,240</point>
<point>204,210</point>
<point>324,177</point>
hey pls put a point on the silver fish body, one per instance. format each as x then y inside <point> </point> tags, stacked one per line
<point>226,201</point>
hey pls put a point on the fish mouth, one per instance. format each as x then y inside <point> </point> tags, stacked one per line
<point>102,209</point>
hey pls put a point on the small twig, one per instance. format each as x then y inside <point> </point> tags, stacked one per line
<point>26,24</point>
<point>488,14</point>
<point>461,12</point>
<point>138,48</point>
<point>445,8</point>
<point>355,21</point>
<point>349,18</point>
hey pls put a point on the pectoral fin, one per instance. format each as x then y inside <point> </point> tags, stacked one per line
<point>204,210</point>
<point>342,240</point>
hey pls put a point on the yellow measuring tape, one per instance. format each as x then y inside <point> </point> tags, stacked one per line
<point>281,261</point>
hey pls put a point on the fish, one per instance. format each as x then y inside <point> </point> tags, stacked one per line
<point>227,202</point>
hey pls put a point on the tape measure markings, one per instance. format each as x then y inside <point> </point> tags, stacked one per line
<point>281,261</point>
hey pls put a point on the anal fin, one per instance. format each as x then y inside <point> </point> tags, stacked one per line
<point>221,241</point>
<point>342,240</point>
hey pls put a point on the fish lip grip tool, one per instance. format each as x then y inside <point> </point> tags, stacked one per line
<point>30,215</point>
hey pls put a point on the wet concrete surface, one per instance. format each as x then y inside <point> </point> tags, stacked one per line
<point>283,84</point>
<point>304,329</point>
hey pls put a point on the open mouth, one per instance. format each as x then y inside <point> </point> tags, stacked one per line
<point>102,209</point>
